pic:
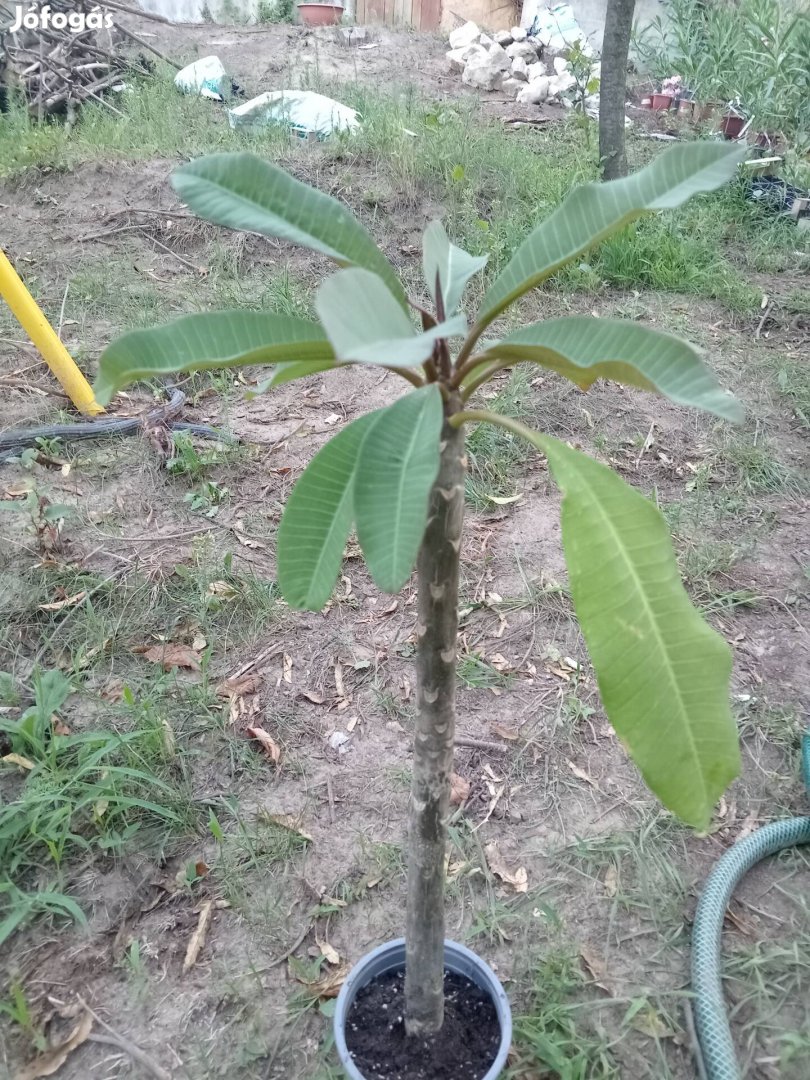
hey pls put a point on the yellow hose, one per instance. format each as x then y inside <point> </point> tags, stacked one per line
<point>42,334</point>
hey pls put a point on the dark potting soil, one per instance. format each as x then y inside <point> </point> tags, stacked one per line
<point>463,1050</point>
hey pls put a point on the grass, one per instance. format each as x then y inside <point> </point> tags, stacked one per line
<point>86,791</point>
<point>495,457</point>
<point>492,188</point>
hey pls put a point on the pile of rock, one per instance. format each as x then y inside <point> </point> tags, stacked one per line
<point>509,61</point>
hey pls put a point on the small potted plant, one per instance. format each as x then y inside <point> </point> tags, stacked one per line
<point>665,98</point>
<point>732,121</point>
<point>425,1006</point>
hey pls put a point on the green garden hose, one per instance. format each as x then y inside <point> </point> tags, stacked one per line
<point>711,1019</point>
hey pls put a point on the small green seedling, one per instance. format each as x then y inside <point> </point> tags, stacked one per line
<point>397,475</point>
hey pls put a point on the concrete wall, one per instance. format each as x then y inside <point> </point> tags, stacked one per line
<point>591,16</point>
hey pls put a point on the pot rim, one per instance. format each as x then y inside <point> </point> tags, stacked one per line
<point>390,956</point>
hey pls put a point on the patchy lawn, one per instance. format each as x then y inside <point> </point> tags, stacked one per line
<point>156,600</point>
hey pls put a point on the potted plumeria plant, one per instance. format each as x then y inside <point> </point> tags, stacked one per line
<point>423,1006</point>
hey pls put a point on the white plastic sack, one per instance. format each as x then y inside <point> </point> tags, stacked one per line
<point>555,26</point>
<point>204,77</point>
<point>303,111</point>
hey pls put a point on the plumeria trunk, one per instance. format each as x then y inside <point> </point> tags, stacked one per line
<point>436,633</point>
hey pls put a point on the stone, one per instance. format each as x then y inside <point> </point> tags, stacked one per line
<point>523,50</point>
<point>512,86</point>
<point>468,34</point>
<point>560,65</point>
<point>486,70</point>
<point>534,71</point>
<point>535,93</point>
<point>498,55</point>
<point>353,35</point>
<point>560,83</point>
<point>520,69</point>
<point>457,58</point>
<point>504,38</point>
<point>518,33</point>
<point>486,41</point>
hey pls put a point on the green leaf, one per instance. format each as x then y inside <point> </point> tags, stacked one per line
<point>663,673</point>
<point>366,325</point>
<point>584,349</point>
<point>452,265</point>
<point>398,462</point>
<point>594,211</point>
<point>317,519</point>
<point>214,339</point>
<point>243,192</point>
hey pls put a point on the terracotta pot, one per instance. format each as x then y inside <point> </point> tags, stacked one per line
<point>662,102</point>
<point>320,14</point>
<point>731,125</point>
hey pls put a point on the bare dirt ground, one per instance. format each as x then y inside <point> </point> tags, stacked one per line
<point>598,945</point>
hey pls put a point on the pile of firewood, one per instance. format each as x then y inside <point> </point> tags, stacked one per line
<point>58,67</point>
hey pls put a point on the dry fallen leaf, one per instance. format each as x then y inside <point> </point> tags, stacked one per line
<point>171,656</point>
<point>287,668</point>
<point>328,952</point>
<point>651,1023</point>
<point>222,589</point>
<point>18,759</point>
<point>582,775</point>
<point>312,695</point>
<point>246,541</point>
<point>248,684</point>
<point>611,881</point>
<point>596,967</point>
<point>52,1060</point>
<point>69,601</point>
<point>197,939</point>
<point>287,821</point>
<point>329,984</point>
<point>518,879</point>
<point>268,743</point>
<point>505,732</point>
<point>459,789</point>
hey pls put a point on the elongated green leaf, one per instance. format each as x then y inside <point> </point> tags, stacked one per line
<point>663,673</point>
<point>243,192</point>
<point>398,462</point>
<point>366,325</point>
<point>452,265</point>
<point>317,519</point>
<point>212,339</point>
<point>594,211</point>
<point>584,349</point>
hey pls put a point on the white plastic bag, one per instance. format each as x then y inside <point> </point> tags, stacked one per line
<point>303,111</point>
<point>204,77</point>
<point>555,26</point>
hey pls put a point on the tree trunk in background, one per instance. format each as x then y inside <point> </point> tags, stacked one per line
<point>436,633</point>
<point>613,87</point>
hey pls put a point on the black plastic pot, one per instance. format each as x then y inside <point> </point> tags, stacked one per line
<point>391,957</point>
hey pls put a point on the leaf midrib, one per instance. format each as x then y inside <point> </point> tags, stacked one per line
<point>653,620</point>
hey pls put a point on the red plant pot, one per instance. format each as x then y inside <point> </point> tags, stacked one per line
<point>662,102</point>
<point>320,14</point>
<point>731,125</point>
